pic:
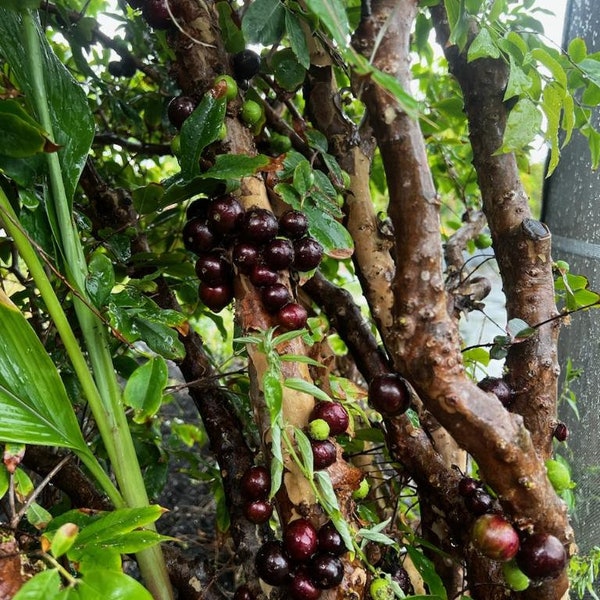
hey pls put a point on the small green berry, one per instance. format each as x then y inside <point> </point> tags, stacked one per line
<point>222,132</point>
<point>515,578</point>
<point>229,85</point>
<point>318,429</point>
<point>562,266</point>
<point>280,143</point>
<point>558,474</point>
<point>380,589</point>
<point>483,240</point>
<point>176,145</point>
<point>251,112</point>
<point>362,490</point>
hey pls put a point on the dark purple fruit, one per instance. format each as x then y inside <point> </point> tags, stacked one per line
<point>303,587</point>
<point>561,432</point>
<point>334,414</point>
<point>479,502</point>
<point>326,570</point>
<point>499,387</point>
<point>274,297</point>
<point>258,511</point>
<point>272,564</point>
<point>261,275</point>
<point>246,64</point>
<point>278,254</point>
<point>245,256</point>
<point>389,394</point>
<point>324,453</point>
<point>541,556</point>
<point>198,209</point>
<point>128,66</point>
<point>213,269</point>
<point>157,14</point>
<point>179,109</point>
<point>307,254</point>
<point>243,593</point>
<point>467,486</point>
<point>215,298</point>
<point>197,237</point>
<point>495,537</point>
<point>256,482</point>
<point>330,540</point>
<point>293,224</point>
<point>115,69</point>
<point>259,225</point>
<point>401,577</point>
<point>224,214</point>
<point>292,316</point>
<point>300,540</point>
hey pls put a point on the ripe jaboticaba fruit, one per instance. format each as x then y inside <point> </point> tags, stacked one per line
<point>293,224</point>
<point>215,298</point>
<point>495,537</point>
<point>272,564</point>
<point>213,269</point>
<point>197,237</point>
<point>499,387</point>
<point>561,432</point>
<point>330,540</point>
<point>157,14</point>
<point>467,486</point>
<point>300,540</point>
<point>259,226</point>
<point>303,587</point>
<point>479,502</point>
<point>278,254</point>
<point>292,316</point>
<point>243,593</point>
<point>324,453</point>
<point>541,556</point>
<point>179,109</point>
<point>327,571</point>
<point>246,64</point>
<point>224,214</point>
<point>258,511</point>
<point>334,413</point>
<point>389,394</point>
<point>245,256</point>
<point>275,297</point>
<point>307,254</point>
<point>256,482</point>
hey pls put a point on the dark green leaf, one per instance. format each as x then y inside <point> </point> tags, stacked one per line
<point>147,199</point>
<point>303,178</point>
<point>134,541</point>
<point>108,585</point>
<point>333,15</point>
<point>233,38</point>
<point>145,388</point>
<point>21,5</point>
<point>160,338</point>
<point>297,36</point>
<point>21,135</point>
<point>264,22</point>
<point>427,571</point>
<point>235,166</point>
<point>199,130</point>
<point>331,234</point>
<point>288,71</point>
<point>100,279</point>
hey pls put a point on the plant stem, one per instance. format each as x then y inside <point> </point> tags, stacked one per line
<point>115,429</point>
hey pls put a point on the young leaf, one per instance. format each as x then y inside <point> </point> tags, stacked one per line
<point>305,451</point>
<point>483,46</point>
<point>109,585</point>
<point>523,124</point>
<point>144,389</point>
<point>273,394</point>
<point>44,585</point>
<point>577,50</point>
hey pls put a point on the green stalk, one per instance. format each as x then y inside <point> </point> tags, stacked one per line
<point>115,429</point>
<point>28,254</point>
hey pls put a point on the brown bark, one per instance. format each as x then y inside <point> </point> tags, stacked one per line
<point>424,341</point>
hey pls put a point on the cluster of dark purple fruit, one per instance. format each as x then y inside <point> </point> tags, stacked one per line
<point>223,235</point>
<point>477,500</point>
<point>306,561</point>
<point>389,394</point>
<point>255,485</point>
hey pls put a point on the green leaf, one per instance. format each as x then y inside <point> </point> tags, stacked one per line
<point>236,166</point>
<point>21,136</point>
<point>134,541</point>
<point>477,355</point>
<point>72,122</point>
<point>145,388</point>
<point>458,21</point>
<point>427,571</point>
<point>233,38</point>
<point>300,385</point>
<point>63,539</point>
<point>38,516</point>
<point>591,69</point>
<point>523,124</point>
<point>108,585</point>
<point>100,279</point>
<point>558,73</point>
<point>297,37</point>
<point>21,5</point>
<point>305,451</point>
<point>147,199</point>
<point>4,480</point>
<point>34,406</point>
<point>276,461</point>
<point>552,102</point>
<point>273,393</point>
<point>199,130</point>
<point>288,71</point>
<point>483,46</point>
<point>577,50</point>
<point>330,233</point>
<point>264,22</point>
<point>328,496</point>
<point>518,82</point>
<point>44,585</point>
<point>159,337</point>
<point>304,178</point>
<point>333,15</point>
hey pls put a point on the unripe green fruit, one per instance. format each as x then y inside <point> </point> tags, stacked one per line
<point>318,429</point>
<point>176,145</point>
<point>222,132</point>
<point>229,84</point>
<point>362,490</point>
<point>346,179</point>
<point>561,265</point>
<point>280,143</point>
<point>515,578</point>
<point>483,240</point>
<point>558,474</point>
<point>380,589</point>
<point>251,112</point>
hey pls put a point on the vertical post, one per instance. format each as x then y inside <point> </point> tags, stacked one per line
<point>572,211</point>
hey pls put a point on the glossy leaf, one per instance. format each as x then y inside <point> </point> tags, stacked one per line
<point>264,22</point>
<point>427,571</point>
<point>301,385</point>
<point>108,585</point>
<point>233,38</point>
<point>235,166</point>
<point>333,15</point>
<point>305,450</point>
<point>145,388</point>
<point>21,136</point>
<point>523,124</point>
<point>72,121</point>
<point>518,82</point>
<point>4,480</point>
<point>483,46</point>
<point>38,516</point>
<point>44,585</point>
<point>297,36</point>
<point>577,49</point>
<point>288,71</point>
<point>100,279</point>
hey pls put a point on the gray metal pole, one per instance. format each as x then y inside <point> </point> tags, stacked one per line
<point>572,211</point>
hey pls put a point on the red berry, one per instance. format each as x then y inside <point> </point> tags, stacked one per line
<point>245,256</point>
<point>389,394</point>
<point>279,254</point>
<point>326,570</point>
<point>256,482</point>
<point>330,540</point>
<point>495,537</point>
<point>275,297</point>
<point>541,556</point>
<point>334,414</point>
<point>307,254</point>
<point>259,225</point>
<point>499,387</point>
<point>258,511</point>
<point>179,109</point>
<point>324,453</point>
<point>213,269</point>
<point>261,275</point>
<point>224,214</point>
<point>215,298</point>
<point>272,564</point>
<point>157,14</point>
<point>197,237</point>
<point>293,224</point>
<point>303,587</point>
<point>300,540</point>
<point>292,316</point>
<point>561,432</point>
